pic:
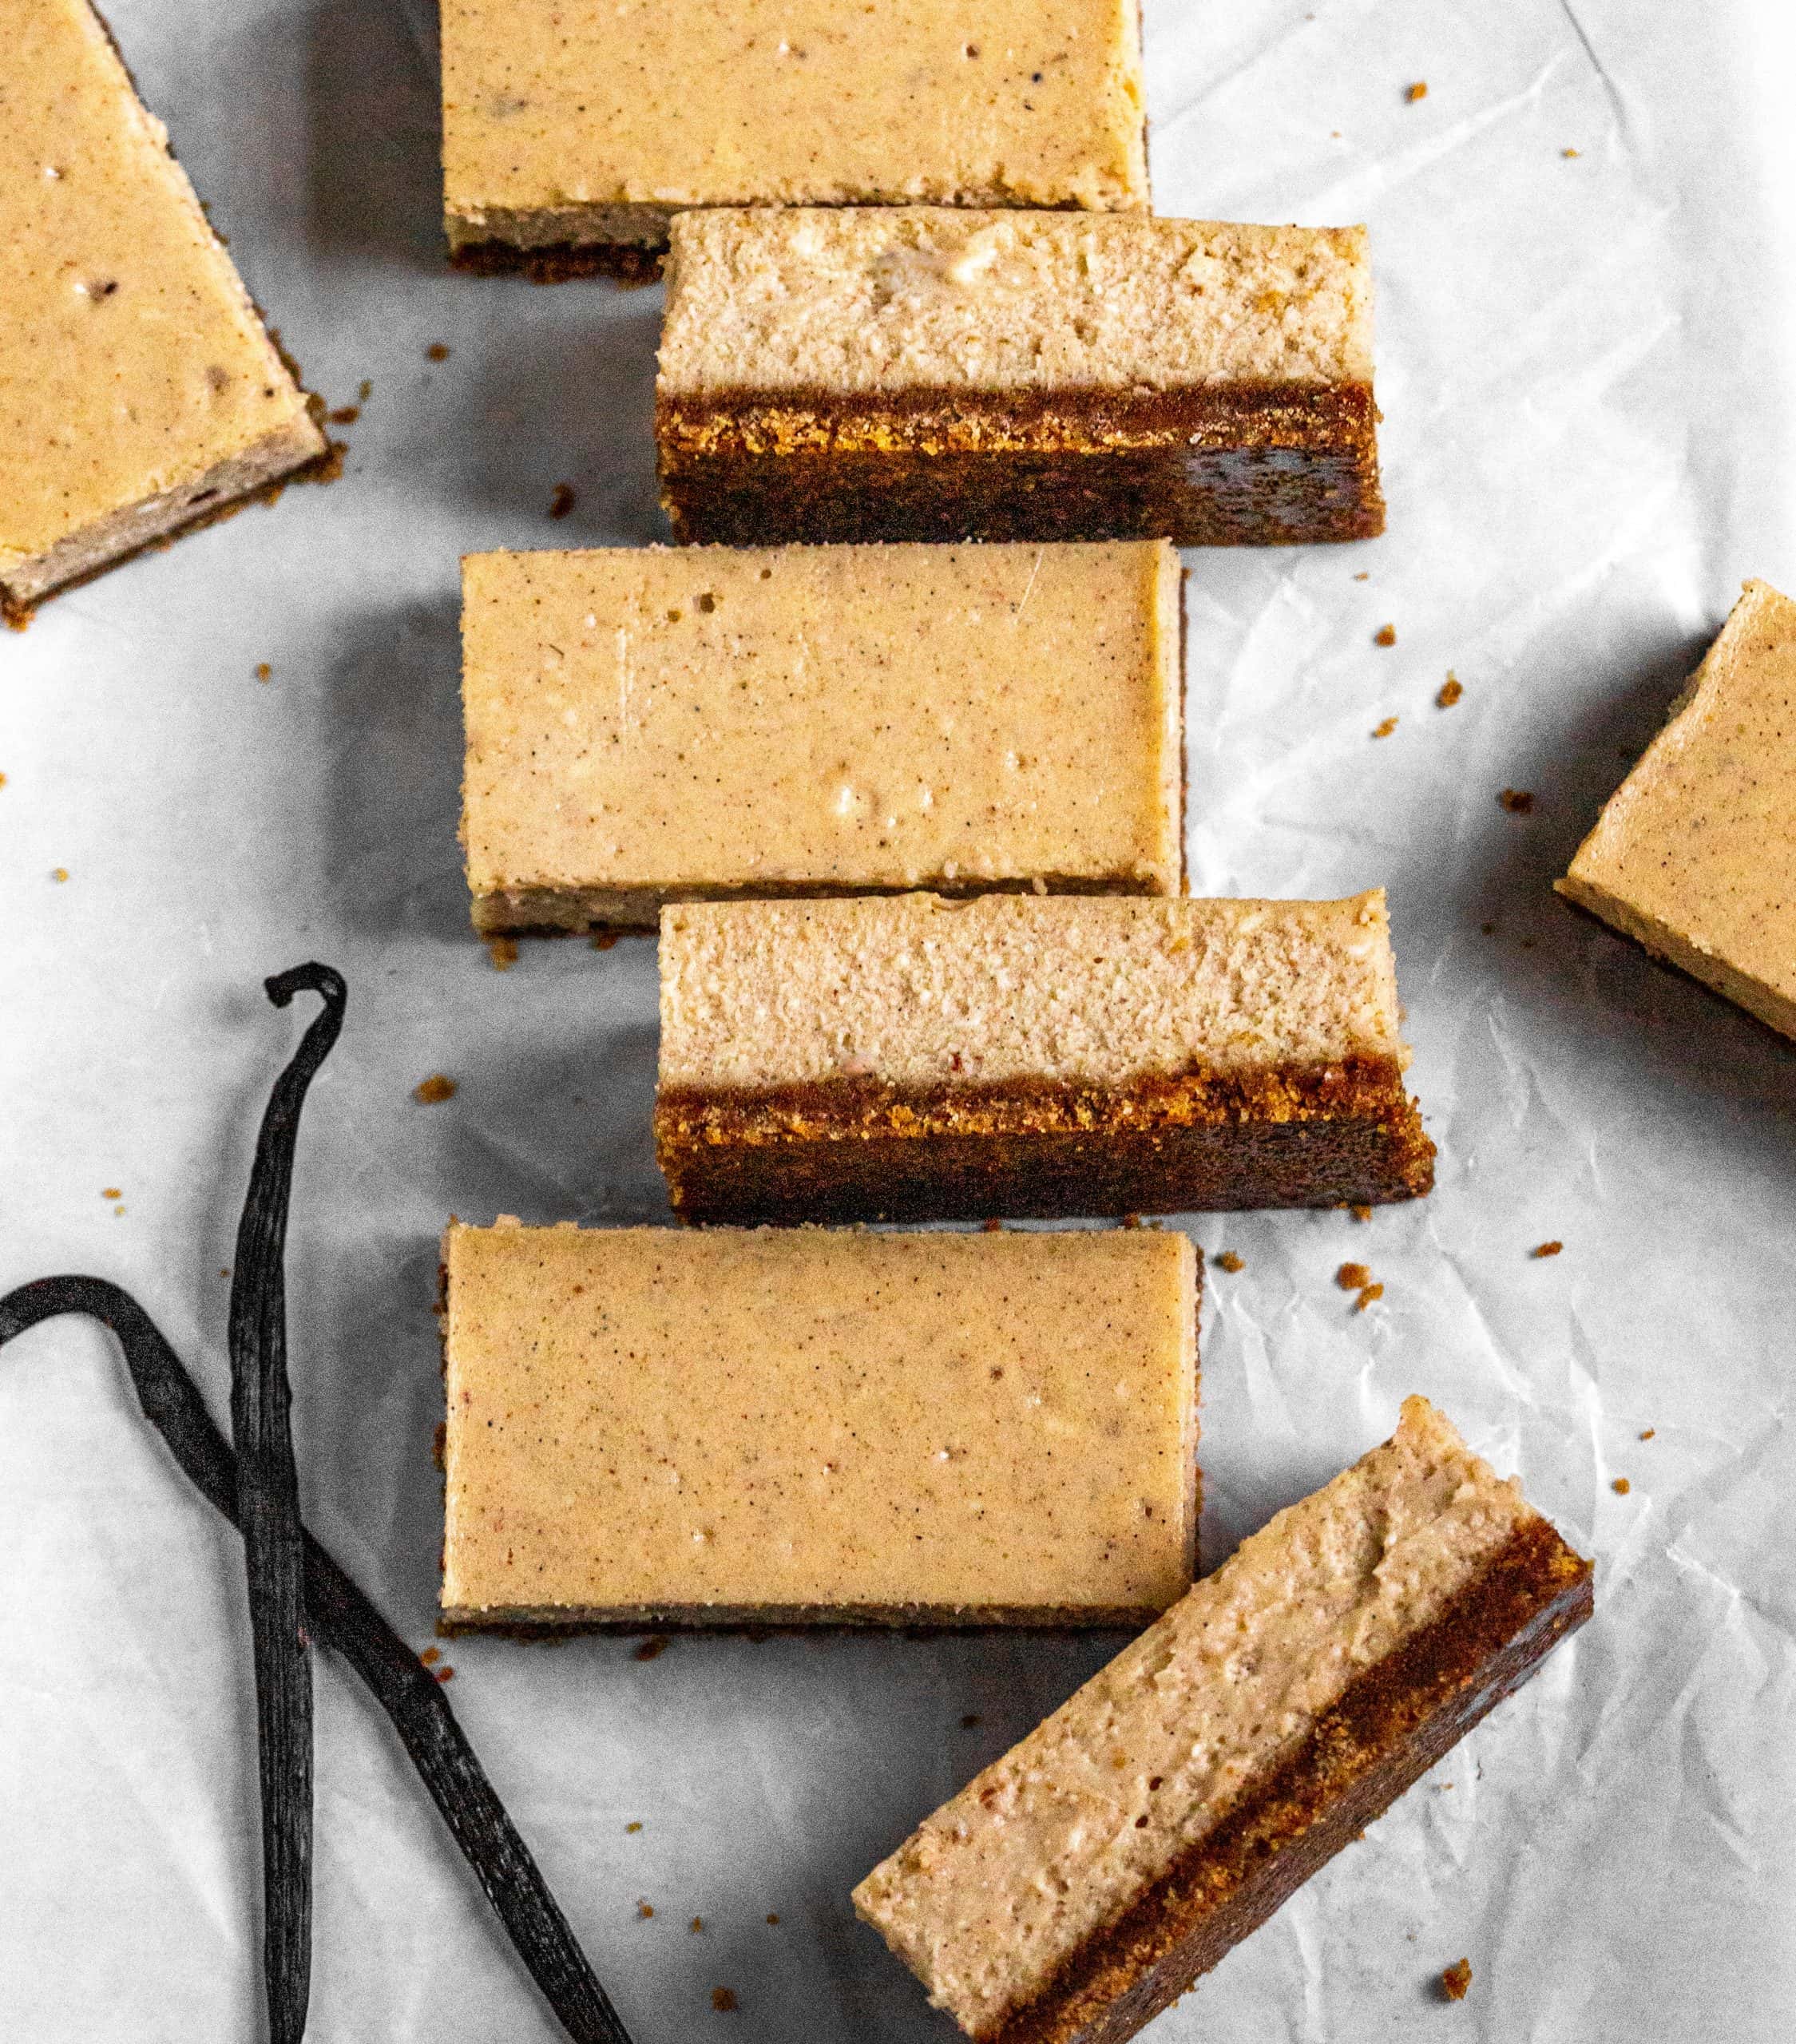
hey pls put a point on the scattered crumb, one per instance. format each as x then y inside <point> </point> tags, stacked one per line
<point>1517,801</point>
<point>633,1827</point>
<point>993,1226</point>
<point>645,1909</point>
<point>444,1674</point>
<point>366,389</point>
<point>773,1915</point>
<point>1571,152</point>
<point>603,939</point>
<point>562,499</point>
<point>651,1649</point>
<point>1132,1220</point>
<point>111,1192</point>
<point>697,1923</point>
<point>1490,929</point>
<point>1367,1294</point>
<point>968,1719</point>
<point>1418,90</point>
<point>1547,1249</point>
<point>503,952</point>
<point>1621,1487</point>
<point>1361,1213</point>
<point>118,1209</point>
<point>1451,690</point>
<point>2,780</point>
<point>428,1092</point>
<point>263,671</point>
<point>1456,1979</point>
<point>1228,1261</point>
<point>431,1656</point>
<point>1351,1276</point>
<point>59,873</point>
<point>1385,635</point>
<point>1649,1433</point>
<point>439,1448</point>
<point>437,351</point>
<point>722,1999</point>
<point>1385,729</point>
<point>1363,574</point>
<point>345,414</point>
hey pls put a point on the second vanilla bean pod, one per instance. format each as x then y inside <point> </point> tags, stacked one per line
<point>268,1514</point>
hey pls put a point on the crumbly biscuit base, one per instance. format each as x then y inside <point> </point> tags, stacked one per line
<point>547,1622</point>
<point>1262,464</point>
<point>1389,1726</point>
<point>1328,1135</point>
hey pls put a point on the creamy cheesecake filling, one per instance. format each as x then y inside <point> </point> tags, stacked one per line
<point>886,301</point>
<point>919,993</point>
<point>1053,1842</point>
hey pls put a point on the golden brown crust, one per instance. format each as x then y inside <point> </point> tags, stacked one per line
<point>1232,464</point>
<point>1390,1725</point>
<point>560,262</point>
<point>854,1149</point>
<point>924,1618</point>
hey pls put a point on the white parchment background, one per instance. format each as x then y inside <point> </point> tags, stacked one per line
<point>1582,362</point>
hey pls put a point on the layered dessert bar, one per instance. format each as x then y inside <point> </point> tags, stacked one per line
<point>923,374</point>
<point>573,135</point>
<point>915,1059</point>
<point>139,390</point>
<point>1695,854</point>
<point>650,1427</point>
<point>646,725</point>
<point>1080,1885</point>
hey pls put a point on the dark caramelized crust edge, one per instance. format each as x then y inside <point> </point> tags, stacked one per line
<point>1274,1135</point>
<point>1389,1727</point>
<point>560,262</point>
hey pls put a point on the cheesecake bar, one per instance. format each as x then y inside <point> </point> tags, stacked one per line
<point>139,390</point>
<point>1080,1885</point>
<point>573,135</point>
<point>924,373</point>
<point>789,1426</point>
<point>917,1059</point>
<point>1695,854</point>
<point>647,725</point>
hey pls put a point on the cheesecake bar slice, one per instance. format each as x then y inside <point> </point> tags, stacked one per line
<point>1695,854</point>
<point>139,390</point>
<point>923,374</point>
<point>918,1059</point>
<point>647,725</point>
<point>1080,1885</point>
<point>650,1427</point>
<point>571,136</point>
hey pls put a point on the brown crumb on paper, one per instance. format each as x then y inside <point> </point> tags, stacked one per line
<point>1648,1434</point>
<point>603,939</point>
<point>1385,635</point>
<point>696,1924</point>
<point>1456,1979</point>
<point>562,499</point>
<point>503,952</point>
<point>1450,691</point>
<point>429,1092</point>
<point>1418,90</point>
<point>1621,1487</point>
<point>1517,801</point>
<point>635,1825</point>
<point>992,1225</point>
<point>1361,1213</point>
<point>345,414</point>
<point>722,1999</point>
<point>968,1719</point>
<point>1385,729</point>
<point>263,671</point>
<point>1228,1261</point>
<point>773,1915</point>
<point>365,390</point>
<point>1132,1220</point>
<point>1571,152</point>
<point>645,1909</point>
<point>1351,1276</point>
<point>651,1649</point>
<point>111,1192</point>
<point>1367,1294</point>
<point>445,1673</point>
<point>59,873</point>
<point>1547,1249</point>
<point>437,351</point>
<point>431,1656</point>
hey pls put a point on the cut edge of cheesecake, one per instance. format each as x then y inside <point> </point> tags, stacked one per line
<point>1390,1723</point>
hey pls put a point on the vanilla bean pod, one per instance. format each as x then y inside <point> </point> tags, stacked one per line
<point>338,1614</point>
<point>268,1514</point>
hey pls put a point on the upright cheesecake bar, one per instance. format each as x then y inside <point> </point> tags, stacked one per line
<point>913,1059</point>
<point>138,389</point>
<point>929,374</point>
<point>646,726</point>
<point>571,136</point>
<point>1079,1885</point>
<point>1695,854</point>
<point>646,1426</point>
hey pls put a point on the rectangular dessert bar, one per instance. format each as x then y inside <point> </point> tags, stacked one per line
<point>571,136</point>
<point>650,1427</point>
<point>923,374</point>
<point>1080,1884</point>
<point>647,725</point>
<point>916,1059</point>
<point>1695,854</point>
<point>138,389</point>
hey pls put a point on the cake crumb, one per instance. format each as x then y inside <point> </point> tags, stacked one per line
<point>1571,152</point>
<point>503,952</point>
<point>1364,575</point>
<point>431,1656</point>
<point>645,1909</point>
<point>602,940</point>
<point>365,388</point>
<point>1621,1487</point>
<point>1361,1213</point>
<point>445,1673</point>
<point>773,1915</point>
<point>1132,1220</point>
<point>263,671</point>
<point>992,1225</point>
<point>633,1826</point>
<point>1228,1261</point>
<point>111,1192</point>
<point>1418,90</point>
<point>1350,1277</point>
<point>1456,1979</point>
<point>428,1093</point>
<point>1367,1294</point>
<point>1385,729</point>
<point>439,1446</point>
<point>562,499</point>
<point>437,351</point>
<point>651,1649</point>
<point>1518,802</point>
<point>1450,691</point>
<point>345,414</point>
<point>1547,1249</point>
<point>1385,635</point>
<point>59,873</point>
<point>1648,1434</point>
<point>697,1923</point>
<point>722,1999</point>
